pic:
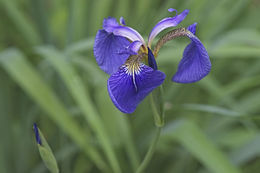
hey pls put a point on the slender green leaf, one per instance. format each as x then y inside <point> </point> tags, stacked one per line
<point>28,78</point>
<point>46,153</point>
<point>191,137</point>
<point>212,109</point>
<point>247,152</point>
<point>157,104</point>
<point>81,96</point>
<point>20,21</point>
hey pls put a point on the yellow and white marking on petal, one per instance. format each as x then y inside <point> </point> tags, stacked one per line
<point>133,67</point>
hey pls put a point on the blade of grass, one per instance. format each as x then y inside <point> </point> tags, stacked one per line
<point>123,9</point>
<point>116,120</point>
<point>238,37</point>
<point>80,46</point>
<point>81,96</point>
<point>2,159</point>
<point>232,51</point>
<point>28,79</point>
<point>76,21</point>
<point>238,86</point>
<point>249,103</point>
<point>4,123</point>
<point>231,15</point>
<point>142,8</point>
<point>247,152</point>
<point>20,21</point>
<point>212,109</point>
<point>234,138</point>
<point>192,138</point>
<point>99,9</point>
<point>40,14</point>
<point>90,68</point>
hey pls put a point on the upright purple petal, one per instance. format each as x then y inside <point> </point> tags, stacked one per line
<point>111,25</point>
<point>166,23</point>
<point>122,21</point>
<point>192,28</point>
<point>132,49</point>
<point>195,63</point>
<point>128,89</point>
<point>107,49</point>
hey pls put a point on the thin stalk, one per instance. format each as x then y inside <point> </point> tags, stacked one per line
<point>150,152</point>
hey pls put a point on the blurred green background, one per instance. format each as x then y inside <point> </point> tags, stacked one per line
<point>49,76</point>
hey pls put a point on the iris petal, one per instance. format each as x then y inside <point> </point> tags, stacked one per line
<point>122,21</point>
<point>195,63</point>
<point>106,50</point>
<point>132,49</point>
<point>172,10</point>
<point>192,28</point>
<point>127,91</point>
<point>166,23</point>
<point>151,60</point>
<point>111,25</point>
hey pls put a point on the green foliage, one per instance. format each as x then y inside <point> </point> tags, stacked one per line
<point>49,75</point>
<point>157,104</point>
<point>47,154</point>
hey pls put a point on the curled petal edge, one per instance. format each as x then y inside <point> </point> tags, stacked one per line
<point>166,23</point>
<point>110,25</point>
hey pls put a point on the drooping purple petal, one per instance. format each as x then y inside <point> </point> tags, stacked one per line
<point>106,50</point>
<point>111,25</point>
<point>132,49</point>
<point>166,23</point>
<point>195,63</point>
<point>128,89</point>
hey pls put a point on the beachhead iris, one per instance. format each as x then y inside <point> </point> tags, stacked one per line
<point>122,52</point>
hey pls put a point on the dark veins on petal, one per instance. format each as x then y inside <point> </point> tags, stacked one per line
<point>122,89</point>
<point>107,48</point>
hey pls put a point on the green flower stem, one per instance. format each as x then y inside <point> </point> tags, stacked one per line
<point>150,152</point>
<point>157,104</point>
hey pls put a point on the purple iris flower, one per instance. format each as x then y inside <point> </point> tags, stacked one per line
<point>122,52</point>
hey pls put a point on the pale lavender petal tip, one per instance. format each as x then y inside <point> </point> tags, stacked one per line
<point>110,25</point>
<point>127,92</point>
<point>106,51</point>
<point>172,10</point>
<point>166,23</point>
<point>122,21</point>
<point>195,63</point>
